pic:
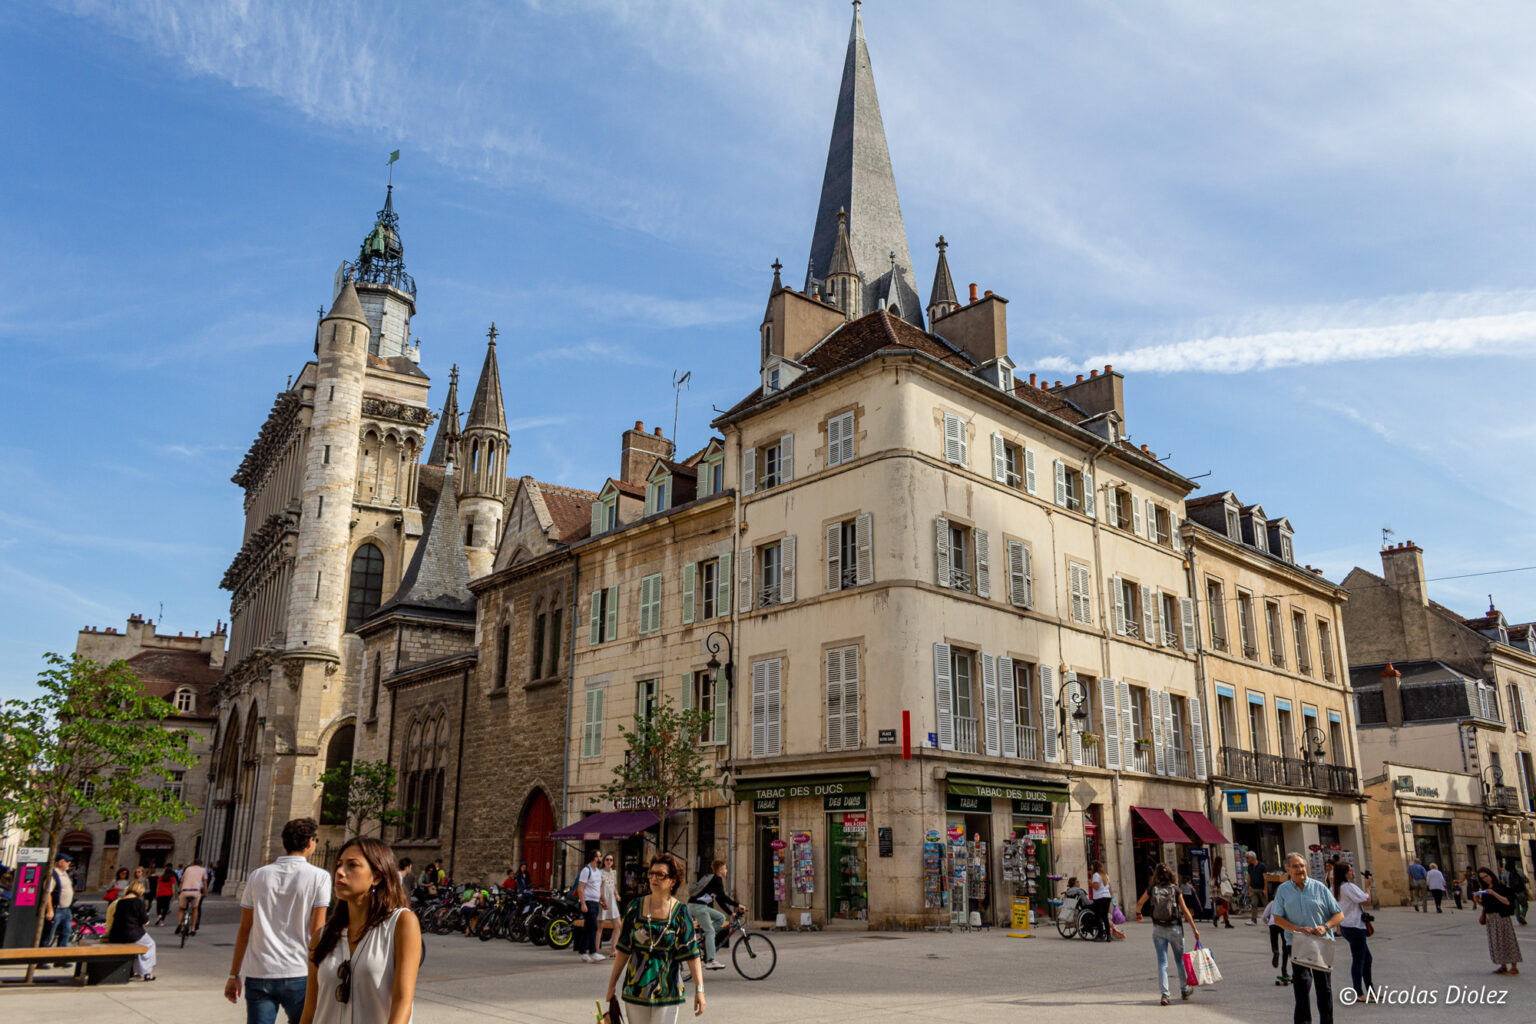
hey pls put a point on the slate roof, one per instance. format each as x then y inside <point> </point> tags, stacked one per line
<point>437,580</point>
<point>347,305</point>
<point>487,410</point>
<point>448,423</point>
<point>1431,690</point>
<point>164,671</point>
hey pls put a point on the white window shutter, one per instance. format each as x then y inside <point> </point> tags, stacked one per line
<point>1155,699</point>
<point>834,557</point>
<point>645,604</point>
<point>1138,528</point>
<point>834,440</point>
<point>723,581</point>
<point>690,588</point>
<point>941,533</point>
<point>1016,584</point>
<point>1151,520</point>
<point>944,696</point>
<point>989,704</point>
<point>1168,725</point>
<point>851,697</point>
<point>1117,591</point>
<point>983,565</point>
<point>1029,470</point>
<point>1029,579</point>
<point>1088,495</point>
<point>596,619</point>
<point>1110,708</point>
<point>1048,713</point>
<point>1127,733</point>
<point>1007,707</point>
<point>863,529</point>
<point>999,458</point>
<point>744,581</point>
<point>1074,732</point>
<point>1148,616</point>
<point>786,458</point>
<point>1187,622</point>
<point>850,442</point>
<point>1061,482</point>
<point>759,707</point>
<point>1112,511</point>
<point>1197,736</point>
<point>749,471</point>
<point>1173,532</point>
<point>787,569</point>
<point>771,734</point>
<point>687,692</point>
<point>721,725</point>
<point>834,708</point>
<point>954,439</point>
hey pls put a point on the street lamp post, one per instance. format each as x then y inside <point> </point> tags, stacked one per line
<point>1078,698</point>
<point>1312,752</point>
<point>713,644</point>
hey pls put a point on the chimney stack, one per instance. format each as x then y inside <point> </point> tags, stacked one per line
<point>1403,566</point>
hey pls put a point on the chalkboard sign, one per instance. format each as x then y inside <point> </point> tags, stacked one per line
<point>887,843</point>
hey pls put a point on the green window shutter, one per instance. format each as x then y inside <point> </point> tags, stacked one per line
<point>687,702</point>
<point>596,618</point>
<point>723,581</point>
<point>690,584</point>
<point>611,629</point>
<point>721,725</point>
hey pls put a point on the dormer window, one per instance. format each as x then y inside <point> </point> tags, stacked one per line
<point>186,700</point>
<point>712,472</point>
<point>1287,552</point>
<point>605,511</point>
<point>658,492</point>
<point>1234,524</point>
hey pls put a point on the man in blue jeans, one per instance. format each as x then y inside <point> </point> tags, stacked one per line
<point>1304,904</point>
<point>281,911</point>
<point>58,903</point>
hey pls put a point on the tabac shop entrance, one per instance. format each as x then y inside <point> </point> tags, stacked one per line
<point>810,847</point>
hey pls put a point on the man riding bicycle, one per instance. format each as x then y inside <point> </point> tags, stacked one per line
<point>707,905</point>
<point>189,902</point>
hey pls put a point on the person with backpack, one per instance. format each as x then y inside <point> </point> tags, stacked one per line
<point>1169,912</point>
<point>709,905</point>
<point>589,895</point>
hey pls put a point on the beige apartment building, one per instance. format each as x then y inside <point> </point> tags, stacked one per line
<point>1272,662</point>
<point>1445,693</point>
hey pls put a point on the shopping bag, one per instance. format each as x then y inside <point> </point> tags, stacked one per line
<point>1116,915</point>
<point>1200,967</point>
<point>1314,951</point>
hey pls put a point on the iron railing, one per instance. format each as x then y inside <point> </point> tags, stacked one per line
<point>1502,798</point>
<point>965,735</point>
<point>1029,742</point>
<point>1272,769</point>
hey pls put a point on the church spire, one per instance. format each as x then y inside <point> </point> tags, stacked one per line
<point>942,300</point>
<point>487,410</point>
<point>447,439</point>
<point>859,180</point>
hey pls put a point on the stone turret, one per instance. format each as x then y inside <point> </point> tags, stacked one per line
<point>482,466</point>
<point>942,301</point>
<point>843,287</point>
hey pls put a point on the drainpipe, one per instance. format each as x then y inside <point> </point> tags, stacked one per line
<point>570,697</point>
<point>1098,562</point>
<point>389,749</point>
<point>730,732</point>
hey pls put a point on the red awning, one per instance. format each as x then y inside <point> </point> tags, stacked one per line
<point>1201,827</point>
<point>612,825</point>
<point>1161,825</point>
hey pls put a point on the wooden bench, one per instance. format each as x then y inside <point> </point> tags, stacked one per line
<point>108,963</point>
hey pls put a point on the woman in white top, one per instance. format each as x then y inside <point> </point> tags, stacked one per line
<point>608,908</point>
<point>1352,899</point>
<point>362,966</point>
<point>1435,878</point>
<point>1103,900</point>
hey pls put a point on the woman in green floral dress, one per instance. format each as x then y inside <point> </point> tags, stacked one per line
<point>656,938</point>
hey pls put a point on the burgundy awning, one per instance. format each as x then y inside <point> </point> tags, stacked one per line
<point>1201,827</point>
<point>1161,825</point>
<point>611,825</point>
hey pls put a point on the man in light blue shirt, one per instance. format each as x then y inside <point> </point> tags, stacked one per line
<point>1304,904</point>
<point>1418,885</point>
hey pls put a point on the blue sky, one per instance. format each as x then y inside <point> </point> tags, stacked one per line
<point>1304,233</point>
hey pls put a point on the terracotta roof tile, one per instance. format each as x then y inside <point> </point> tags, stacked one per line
<point>570,508</point>
<point>163,672</point>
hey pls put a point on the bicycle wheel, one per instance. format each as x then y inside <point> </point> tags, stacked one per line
<point>538,928</point>
<point>181,929</point>
<point>1066,924</point>
<point>517,928</point>
<point>754,956</point>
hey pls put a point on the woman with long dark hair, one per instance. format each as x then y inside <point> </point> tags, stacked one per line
<point>1103,898</point>
<point>1498,902</point>
<point>362,967</point>
<point>165,891</point>
<point>1169,912</point>
<point>1353,899</point>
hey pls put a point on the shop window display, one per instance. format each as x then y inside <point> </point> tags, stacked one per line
<point>848,867</point>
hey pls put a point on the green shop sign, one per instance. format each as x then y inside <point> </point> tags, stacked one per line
<point>967,804</point>
<point>845,802</point>
<point>765,805</point>
<point>1033,792</point>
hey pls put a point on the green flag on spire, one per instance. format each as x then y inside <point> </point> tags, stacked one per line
<point>393,157</point>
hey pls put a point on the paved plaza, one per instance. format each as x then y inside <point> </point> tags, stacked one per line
<point>849,976</point>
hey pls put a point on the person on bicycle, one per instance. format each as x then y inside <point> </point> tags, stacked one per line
<point>708,904</point>
<point>189,904</point>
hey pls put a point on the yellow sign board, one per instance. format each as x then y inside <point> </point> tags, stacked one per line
<point>1020,920</point>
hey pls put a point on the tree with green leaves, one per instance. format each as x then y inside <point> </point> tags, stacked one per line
<point>358,792</point>
<point>93,745</point>
<point>664,767</point>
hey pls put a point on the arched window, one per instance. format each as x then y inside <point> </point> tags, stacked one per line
<point>410,826</point>
<point>333,799</point>
<point>186,700</point>
<point>367,585</point>
<point>439,774</point>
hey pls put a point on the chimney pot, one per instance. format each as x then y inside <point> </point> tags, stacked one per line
<point>640,426</point>
<point>658,431</point>
<point>1108,368</point>
<point>973,291</point>
<point>1058,384</point>
<point>987,294</point>
<point>1093,373</point>
<point>1079,378</point>
<point>1032,380</point>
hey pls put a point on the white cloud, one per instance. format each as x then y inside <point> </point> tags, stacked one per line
<point>533,423</point>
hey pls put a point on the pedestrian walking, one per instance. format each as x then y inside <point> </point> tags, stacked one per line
<point>363,967</point>
<point>130,919</point>
<point>657,940</point>
<point>1306,905</point>
<point>1169,912</point>
<point>608,915</point>
<point>1103,898</point>
<point>1353,899</point>
<point>165,889</point>
<point>407,876</point>
<point>1279,951</point>
<point>59,902</point>
<point>1418,886</point>
<point>1520,886</point>
<point>709,903</point>
<point>1224,894</point>
<point>281,911</point>
<point>119,884</point>
<point>1258,888</point>
<point>589,893</point>
<point>1435,879</point>
<point>1498,902</point>
<point>1468,886</point>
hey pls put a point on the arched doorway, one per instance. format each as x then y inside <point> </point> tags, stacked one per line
<point>538,847</point>
<point>79,845</point>
<point>154,848</point>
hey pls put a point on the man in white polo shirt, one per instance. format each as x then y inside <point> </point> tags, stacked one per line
<point>281,911</point>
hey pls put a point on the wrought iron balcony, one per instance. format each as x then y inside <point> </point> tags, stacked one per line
<point>1502,798</point>
<point>1250,651</point>
<point>960,581</point>
<point>1029,742</point>
<point>965,735</point>
<point>388,273</point>
<point>1271,769</point>
<point>1219,642</point>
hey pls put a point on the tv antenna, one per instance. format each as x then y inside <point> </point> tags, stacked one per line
<point>1386,533</point>
<point>680,379</point>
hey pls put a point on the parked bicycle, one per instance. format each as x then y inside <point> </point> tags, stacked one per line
<point>752,953</point>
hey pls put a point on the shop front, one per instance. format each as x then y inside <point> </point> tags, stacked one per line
<point>810,848</point>
<point>999,847</point>
<point>1434,816</point>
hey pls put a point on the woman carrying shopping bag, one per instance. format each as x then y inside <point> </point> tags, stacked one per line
<point>1169,911</point>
